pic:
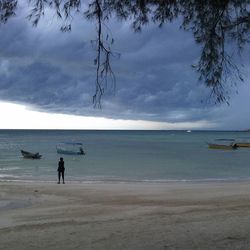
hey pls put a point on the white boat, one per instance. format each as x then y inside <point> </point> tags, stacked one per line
<point>70,148</point>
<point>30,155</point>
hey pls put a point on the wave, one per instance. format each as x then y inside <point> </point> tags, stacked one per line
<point>9,169</point>
<point>106,179</point>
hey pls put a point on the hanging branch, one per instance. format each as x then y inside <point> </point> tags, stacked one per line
<point>103,52</point>
<point>211,27</point>
<point>98,11</point>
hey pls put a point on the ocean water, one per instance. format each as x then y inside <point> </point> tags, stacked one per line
<point>123,156</point>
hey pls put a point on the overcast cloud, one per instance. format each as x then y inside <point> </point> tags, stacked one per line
<point>54,72</point>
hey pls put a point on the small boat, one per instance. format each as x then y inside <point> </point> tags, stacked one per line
<point>30,155</point>
<point>70,148</point>
<point>223,143</point>
<point>223,146</point>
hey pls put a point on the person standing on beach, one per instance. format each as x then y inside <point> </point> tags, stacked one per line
<point>61,170</point>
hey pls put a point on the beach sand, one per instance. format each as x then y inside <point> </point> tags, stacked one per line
<point>132,216</point>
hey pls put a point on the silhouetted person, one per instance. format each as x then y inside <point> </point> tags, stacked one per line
<point>60,170</point>
<point>81,151</point>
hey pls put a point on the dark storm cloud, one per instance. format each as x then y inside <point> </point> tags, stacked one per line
<point>44,69</point>
<point>156,78</point>
<point>54,72</point>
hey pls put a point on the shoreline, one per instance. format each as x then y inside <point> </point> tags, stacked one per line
<point>121,181</point>
<point>125,215</point>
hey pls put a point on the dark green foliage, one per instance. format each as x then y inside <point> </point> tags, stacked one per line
<point>215,24</point>
<point>7,9</point>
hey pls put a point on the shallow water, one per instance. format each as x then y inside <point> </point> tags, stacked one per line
<point>123,156</point>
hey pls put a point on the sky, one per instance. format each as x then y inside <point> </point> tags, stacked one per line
<point>47,79</point>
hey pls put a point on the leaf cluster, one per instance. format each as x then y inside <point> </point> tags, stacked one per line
<point>7,9</point>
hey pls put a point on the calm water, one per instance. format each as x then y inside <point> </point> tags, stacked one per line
<point>123,156</point>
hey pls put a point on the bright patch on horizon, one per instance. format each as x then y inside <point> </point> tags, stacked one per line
<point>17,116</point>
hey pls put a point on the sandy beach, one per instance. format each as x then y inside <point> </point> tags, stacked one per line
<point>124,215</point>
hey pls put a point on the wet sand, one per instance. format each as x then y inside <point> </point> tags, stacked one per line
<point>114,216</point>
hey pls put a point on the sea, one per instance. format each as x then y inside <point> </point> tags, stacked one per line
<point>123,156</point>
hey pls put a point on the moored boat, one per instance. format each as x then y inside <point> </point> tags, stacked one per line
<point>70,148</point>
<point>225,144</point>
<point>30,155</point>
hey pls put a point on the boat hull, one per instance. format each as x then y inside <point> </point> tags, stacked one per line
<point>243,145</point>
<point>30,155</point>
<point>68,152</point>
<point>224,147</point>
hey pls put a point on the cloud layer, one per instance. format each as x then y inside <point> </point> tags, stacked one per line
<point>54,72</point>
